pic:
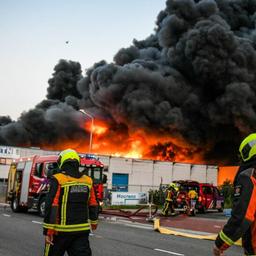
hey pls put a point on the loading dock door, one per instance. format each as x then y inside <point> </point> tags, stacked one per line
<point>120,182</point>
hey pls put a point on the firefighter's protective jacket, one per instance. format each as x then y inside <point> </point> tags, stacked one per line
<point>71,205</point>
<point>192,194</point>
<point>170,195</point>
<point>242,222</point>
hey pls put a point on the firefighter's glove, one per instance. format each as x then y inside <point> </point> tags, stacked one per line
<point>49,239</point>
<point>94,226</point>
<point>49,236</point>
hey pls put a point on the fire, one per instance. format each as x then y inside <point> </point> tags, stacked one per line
<point>114,141</point>
<point>98,127</point>
<point>135,149</point>
<point>135,145</point>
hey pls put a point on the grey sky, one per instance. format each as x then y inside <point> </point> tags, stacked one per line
<point>34,35</point>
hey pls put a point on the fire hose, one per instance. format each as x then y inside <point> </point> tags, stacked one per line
<point>130,214</point>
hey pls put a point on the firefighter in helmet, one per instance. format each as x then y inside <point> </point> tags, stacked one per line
<point>71,209</point>
<point>170,199</point>
<point>192,196</point>
<point>242,222</point>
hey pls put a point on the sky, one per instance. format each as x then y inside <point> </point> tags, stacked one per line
<point>34,36</point>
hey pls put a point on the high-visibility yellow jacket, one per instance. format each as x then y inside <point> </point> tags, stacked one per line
<point>171,194</point>
<point>192,194</point>
<point>242,222</point>
<point>71,205</point>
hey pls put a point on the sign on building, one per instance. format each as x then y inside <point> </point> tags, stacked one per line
<point>125,198</point>
<point>9,152</point>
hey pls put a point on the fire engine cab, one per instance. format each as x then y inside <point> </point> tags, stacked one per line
<point>28,180</point>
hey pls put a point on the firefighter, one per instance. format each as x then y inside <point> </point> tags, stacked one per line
<point>170,199</point>
<point>71,209</point>
<point>193,196</point>
<point>242,222</point>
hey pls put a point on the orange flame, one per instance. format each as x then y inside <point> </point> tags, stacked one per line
<point>138,144</point>
<point>98,127</point>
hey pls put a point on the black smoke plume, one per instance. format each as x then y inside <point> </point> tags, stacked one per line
<point>192,80</point>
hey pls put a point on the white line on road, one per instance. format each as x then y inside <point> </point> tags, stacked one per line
<point>6,215</point>
<point>169,252</point>
<point>138,226</point>
<point>37,222</point>
<point>217,226</point>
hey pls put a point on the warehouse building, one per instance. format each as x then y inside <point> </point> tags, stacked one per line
<point>126,174</point>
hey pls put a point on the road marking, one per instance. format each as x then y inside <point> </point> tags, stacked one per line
<point>169,252</point>
<point>37,222</point>
<point>216,226</point>
<point>138,226</point>
<point>6,215</point>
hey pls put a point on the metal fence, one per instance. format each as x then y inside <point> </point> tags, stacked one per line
<point>3,191</point>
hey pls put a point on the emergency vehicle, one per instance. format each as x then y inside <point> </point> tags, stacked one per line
<point>28,180</point>
<point>209,197</point>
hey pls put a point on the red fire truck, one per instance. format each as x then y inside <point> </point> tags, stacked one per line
<point>209,197</point>
<point>28,180</point>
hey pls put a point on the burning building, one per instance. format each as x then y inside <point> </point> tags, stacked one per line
<point>185,93</point>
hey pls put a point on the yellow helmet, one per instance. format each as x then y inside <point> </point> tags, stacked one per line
<point>67,155</point>
<point>247,147</point>
<point>174,186</point>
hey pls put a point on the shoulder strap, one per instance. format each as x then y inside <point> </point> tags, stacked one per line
<point>62,179</point>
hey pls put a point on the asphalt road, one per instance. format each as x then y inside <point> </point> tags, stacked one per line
<point>21,234</point>
<point>212,214</point>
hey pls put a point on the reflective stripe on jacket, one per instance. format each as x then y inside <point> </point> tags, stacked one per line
<point>242,222</point>
<point>73,205</point>
<point>170,195</point>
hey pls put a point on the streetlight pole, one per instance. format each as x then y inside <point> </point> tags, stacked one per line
<point>92,125</point>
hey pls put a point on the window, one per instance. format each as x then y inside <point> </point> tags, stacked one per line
<point>97,173</point>
<point>39,170</point>
<point>216,192</point>
<point>49,168</point>
<point>82,170</point>
<point>207,190</point>
<point>188,187</point>
<point>8,161</point>
<point>86,170</point>
<point>2,161</point>
<point>196,188</point>
<point>20,165</point>
<point>94,172</point>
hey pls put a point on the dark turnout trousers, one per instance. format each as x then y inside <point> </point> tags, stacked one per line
<point>74,245</point>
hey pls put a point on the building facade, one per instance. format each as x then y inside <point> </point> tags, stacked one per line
<point>126,174</point>
<point>138,175</point>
